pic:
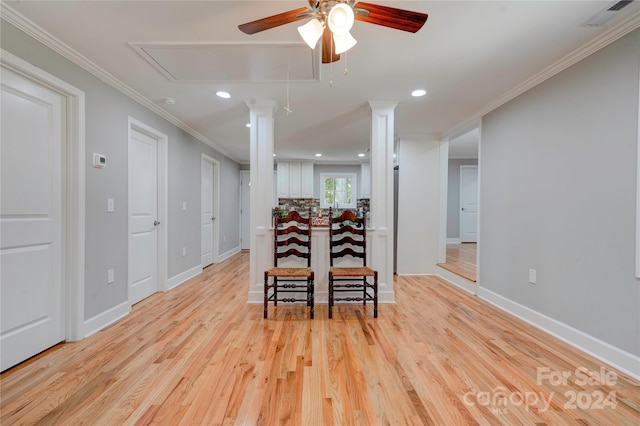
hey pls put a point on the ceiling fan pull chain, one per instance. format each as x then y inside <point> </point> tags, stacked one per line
<point>288,108</point>
<point>331,67</point>
<point>346,69</point>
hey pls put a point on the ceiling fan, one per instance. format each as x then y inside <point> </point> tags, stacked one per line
<point>332,20</point>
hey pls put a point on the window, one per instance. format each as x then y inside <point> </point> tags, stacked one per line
<point>339,190</point>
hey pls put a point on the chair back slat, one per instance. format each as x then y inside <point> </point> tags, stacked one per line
<point>292,252</point>
<point>354,230</point>
<point>347,236</point>
<point>292,240</point>
<point>348,240</point>
<point>292,237</point>
<point>293,229</point>
<point>348,251</point>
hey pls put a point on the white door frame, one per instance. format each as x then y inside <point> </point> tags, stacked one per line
<point>73,197</point>
<point>216,204</point>
<point>163,215</point>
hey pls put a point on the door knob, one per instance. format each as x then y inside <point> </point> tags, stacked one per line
<point>156,223</point>
<point>213,218</point>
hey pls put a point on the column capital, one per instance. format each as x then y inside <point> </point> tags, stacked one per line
<point>382,105</point>
<point>264,106</point>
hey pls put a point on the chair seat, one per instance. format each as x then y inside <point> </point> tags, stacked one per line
<point>363,271</point>
<point>289,272</point>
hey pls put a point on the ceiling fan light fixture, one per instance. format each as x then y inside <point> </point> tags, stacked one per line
<point>340,19</point>
<point>343,42</point>
<point>311,32</point>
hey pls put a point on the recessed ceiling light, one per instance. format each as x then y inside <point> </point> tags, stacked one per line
<point>418,92</point>
<point>247,125</point>
<point>169,101</point>
<point>361,155</point>
<point>318,155</point>
<point>274,154</point>
<point>223,94</point>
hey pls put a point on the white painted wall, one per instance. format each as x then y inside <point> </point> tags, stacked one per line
<point>418,206</point>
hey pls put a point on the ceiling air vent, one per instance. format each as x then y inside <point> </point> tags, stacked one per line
<point>620,5</point>
<point>605,15</point>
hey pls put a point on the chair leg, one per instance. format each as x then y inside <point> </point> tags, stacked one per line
<point>364,291</point>
<point>330,295</point>
<point>275,291</point>
<point>310,297</point>
<point>266,291</point>
<point>375,294</point>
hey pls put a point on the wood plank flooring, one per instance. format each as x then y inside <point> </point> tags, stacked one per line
<point>461,260</point>
<point>200,355</point>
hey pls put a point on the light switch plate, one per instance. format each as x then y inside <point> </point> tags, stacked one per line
<point>109,205</point>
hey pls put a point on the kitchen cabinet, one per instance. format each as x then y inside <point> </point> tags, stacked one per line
<point>365,186</point>
<point>282,180</point>
<point>295,180</point>
<point>306,180</point>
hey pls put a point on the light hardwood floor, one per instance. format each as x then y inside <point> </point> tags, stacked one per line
<point>200,355</point>
<point>461,260</point>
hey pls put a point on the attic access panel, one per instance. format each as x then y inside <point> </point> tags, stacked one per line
<point>238,63</point>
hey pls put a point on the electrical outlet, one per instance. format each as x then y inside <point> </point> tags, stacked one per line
<point>184,251</point>
<point>109,205</point>
<point>532,276</point>
<point>184,206</point>
<point>110,276</point>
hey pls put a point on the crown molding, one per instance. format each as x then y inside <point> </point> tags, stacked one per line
<point>623,28</point>
<point>30,28</point>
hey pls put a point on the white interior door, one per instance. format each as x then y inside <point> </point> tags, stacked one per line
<point>143,215</point>
<point>469,204</point>
<point>207,214</point>
<point>245,209</point>
<point>31,217</point>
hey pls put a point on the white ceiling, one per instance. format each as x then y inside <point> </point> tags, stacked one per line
<point>468,55</point>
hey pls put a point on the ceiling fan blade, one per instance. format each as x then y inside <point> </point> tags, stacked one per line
<point>328,47</point>
<point>391,17</point>
<point>273,21</point>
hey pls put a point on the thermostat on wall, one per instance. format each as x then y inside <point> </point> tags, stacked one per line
<point>99,161</point>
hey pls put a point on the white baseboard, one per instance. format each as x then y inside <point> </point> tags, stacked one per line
<point>176,280</point>
<point>454,241</point>
<point>617,358</point>
<point>228,254</point>
<point>457,280</point>
<point>106,318</point>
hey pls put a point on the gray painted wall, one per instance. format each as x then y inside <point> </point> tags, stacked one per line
<point>107,111</point>
<point>558,194</point>
<point>453,196</point>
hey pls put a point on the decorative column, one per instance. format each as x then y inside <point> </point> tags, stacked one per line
<point>380,236</point>
<point>261,194</point>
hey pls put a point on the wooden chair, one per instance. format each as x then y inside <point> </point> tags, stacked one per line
<point>348,238</point>
<point>291,242</point>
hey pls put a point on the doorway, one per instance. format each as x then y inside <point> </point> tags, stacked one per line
<point>147,211</point>
<point>209,210</point>
<point>460,254</point>
<point>245,209</point>
<point>42,211</point>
